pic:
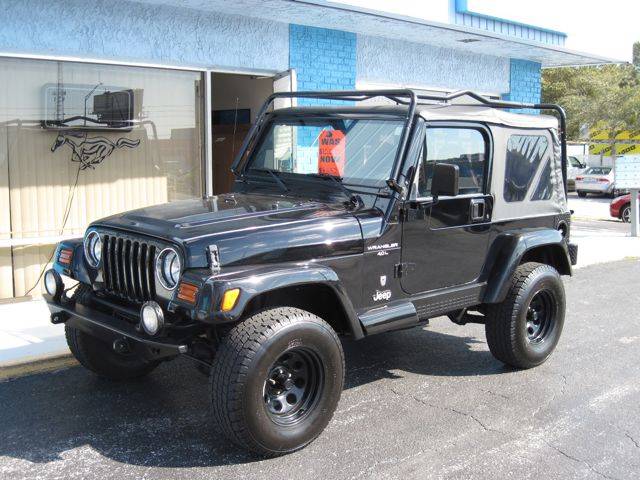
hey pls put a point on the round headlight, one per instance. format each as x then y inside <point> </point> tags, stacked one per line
<point>93,248</point>
<point>151,318</point>
<point>168,268</point>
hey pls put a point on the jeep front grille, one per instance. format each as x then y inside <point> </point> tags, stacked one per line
<point>128,268</point>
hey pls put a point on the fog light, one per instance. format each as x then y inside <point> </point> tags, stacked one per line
<point>151,318</point>
<point>53,283</point>
<point>229,299</point>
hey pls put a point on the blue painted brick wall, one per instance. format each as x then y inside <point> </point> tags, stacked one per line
<point>524,82</point>
<point>323,59</point>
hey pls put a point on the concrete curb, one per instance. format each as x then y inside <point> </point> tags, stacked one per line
<point>34,365</point>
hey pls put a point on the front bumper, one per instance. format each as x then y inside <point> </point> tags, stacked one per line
<point>111,329</point>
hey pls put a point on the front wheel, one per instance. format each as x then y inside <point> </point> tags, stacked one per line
<point>582,194</point>
<point>101,359</point>
<point>524,329</point>
<point>276,380</point>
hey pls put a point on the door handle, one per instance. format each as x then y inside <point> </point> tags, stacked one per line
<point>478,210</point>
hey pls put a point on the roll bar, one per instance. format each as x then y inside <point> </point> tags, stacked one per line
<point>411,99</point>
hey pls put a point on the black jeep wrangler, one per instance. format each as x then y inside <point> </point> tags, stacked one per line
<point>349,219</point>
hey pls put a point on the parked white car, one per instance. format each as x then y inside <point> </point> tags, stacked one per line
<point>596,180</point>
<point>575,168</point>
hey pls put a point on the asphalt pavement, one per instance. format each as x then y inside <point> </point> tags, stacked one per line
<point>423,403</point>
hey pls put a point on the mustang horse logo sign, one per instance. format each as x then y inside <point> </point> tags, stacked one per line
<point>91,151</point>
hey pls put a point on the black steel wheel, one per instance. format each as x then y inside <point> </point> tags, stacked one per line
<point>276,380</point>
<point>524,329</point>
<point>540,316</point>
<point>293,386</point>
<point>625,215</point>
<point>582,194</point>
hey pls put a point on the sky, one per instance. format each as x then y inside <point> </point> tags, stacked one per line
<point>606,28</point>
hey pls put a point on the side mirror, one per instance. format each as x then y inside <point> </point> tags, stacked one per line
<point>446,180</point>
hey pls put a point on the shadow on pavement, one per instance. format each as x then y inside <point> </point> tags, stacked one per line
<point>163,420</point>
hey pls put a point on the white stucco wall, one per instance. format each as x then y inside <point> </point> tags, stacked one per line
<point>385,61</point>
<point>124,30</point>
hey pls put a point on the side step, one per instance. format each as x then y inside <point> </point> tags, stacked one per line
<point>390,317</point>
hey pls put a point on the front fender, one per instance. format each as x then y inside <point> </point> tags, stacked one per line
<point>507,253</point>
<point>78,269</point>
<point>262,280</point>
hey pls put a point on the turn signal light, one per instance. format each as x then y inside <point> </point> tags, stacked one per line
<point>65,256</point>
<point>187,292</point>
<point>603,180</point>
<point>229,299</point>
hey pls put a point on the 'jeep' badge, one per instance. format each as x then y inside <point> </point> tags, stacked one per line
<point>382,295</point>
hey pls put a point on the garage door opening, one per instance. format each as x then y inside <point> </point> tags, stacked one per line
<point>236,101</point>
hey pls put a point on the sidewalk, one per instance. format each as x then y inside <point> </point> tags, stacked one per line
<point>26,335</point>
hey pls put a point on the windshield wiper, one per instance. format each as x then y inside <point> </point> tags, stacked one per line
<point>354,199</point>
<point>274,175</point>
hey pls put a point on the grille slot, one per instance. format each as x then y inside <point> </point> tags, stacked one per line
<point>127,268</point>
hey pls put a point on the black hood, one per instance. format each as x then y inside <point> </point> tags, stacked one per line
<point>247,228</point>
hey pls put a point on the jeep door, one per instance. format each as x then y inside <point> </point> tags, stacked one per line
<point>445,240</point>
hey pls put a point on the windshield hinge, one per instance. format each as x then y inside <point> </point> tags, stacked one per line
<point>395,186</point>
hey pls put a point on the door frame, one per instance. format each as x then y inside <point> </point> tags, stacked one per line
<point>413,198</point>
<point>208,111</point>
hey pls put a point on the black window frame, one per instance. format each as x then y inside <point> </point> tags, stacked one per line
<point>484,130</point>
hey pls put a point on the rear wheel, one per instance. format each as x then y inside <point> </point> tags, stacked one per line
<point>625,214</point>
<point>582,194</point>
<point>99,356</point>
<point>276,380</point>
<point>524,329</point>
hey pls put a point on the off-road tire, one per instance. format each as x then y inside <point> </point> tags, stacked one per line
<point>242,366</point>
<point>507,324</point>
<point>582,194</point>
<point>99,357</point>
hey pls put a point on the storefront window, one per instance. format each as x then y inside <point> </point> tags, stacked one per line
<point>82,141</point>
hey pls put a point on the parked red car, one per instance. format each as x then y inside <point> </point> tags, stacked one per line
<point>620,207</point>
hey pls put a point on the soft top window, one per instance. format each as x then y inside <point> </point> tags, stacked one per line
<point>525,156</point>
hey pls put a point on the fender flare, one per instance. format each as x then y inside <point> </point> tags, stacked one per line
<point>507,252</point>
<point>78,269</point>
<point>260,281</point>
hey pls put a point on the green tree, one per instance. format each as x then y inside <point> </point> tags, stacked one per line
<point>636,54</point>
<point>604,97</point>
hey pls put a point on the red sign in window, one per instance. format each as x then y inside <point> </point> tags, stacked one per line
<point>331,154</point>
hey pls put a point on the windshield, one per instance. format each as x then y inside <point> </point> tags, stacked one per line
<point>360,152</point>
<point>598,171</point>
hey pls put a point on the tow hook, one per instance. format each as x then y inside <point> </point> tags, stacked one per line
<point>121,346</point>
<point>59,317</point>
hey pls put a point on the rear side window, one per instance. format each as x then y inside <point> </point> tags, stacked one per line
<point>598,171</point>
<point>464,147</point>
<point>525,155</point>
